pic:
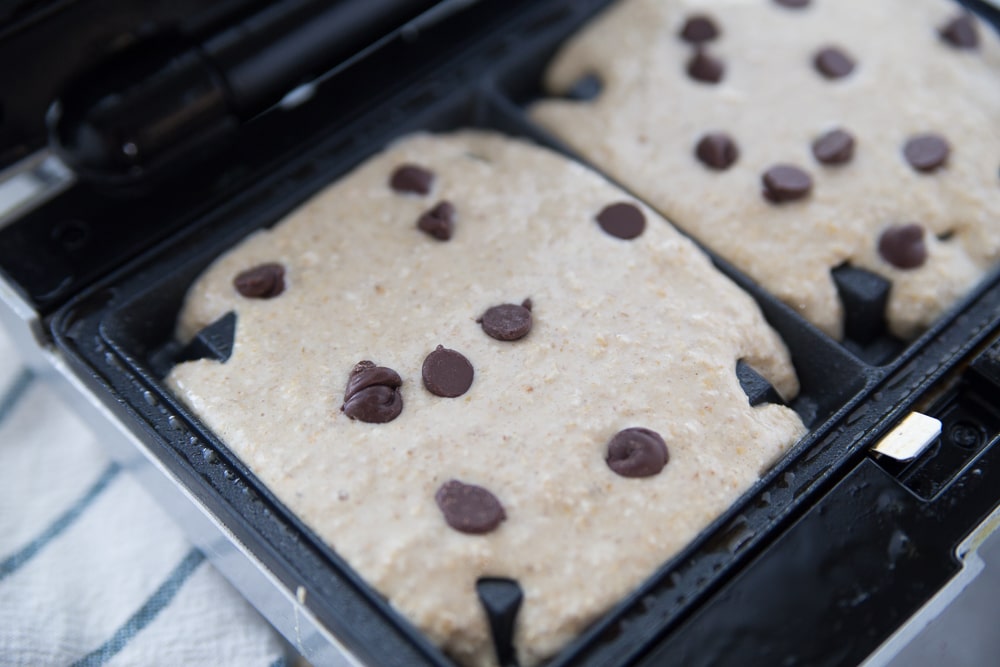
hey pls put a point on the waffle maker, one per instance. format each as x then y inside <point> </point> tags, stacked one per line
<point>140,140</point>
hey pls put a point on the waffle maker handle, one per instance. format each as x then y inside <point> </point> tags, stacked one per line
<point>152,112</point>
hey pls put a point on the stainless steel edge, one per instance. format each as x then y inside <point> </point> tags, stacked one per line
<point>22,325</point>
<point>284,608</point>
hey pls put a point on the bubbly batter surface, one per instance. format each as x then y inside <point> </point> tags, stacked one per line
<point>595,426</point>
<point>913,83</point>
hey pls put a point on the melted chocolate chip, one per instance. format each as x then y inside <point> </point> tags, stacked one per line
<point>698,29</point>
<point>469,508</point>
<point>265,281</point>
<point>834,147</point>
<point>927,152</point>
<point>717,151</point>
<point>438,222</point>
<point>637,452</point>
<point>507,321</point>
<point>960,32</point>
<point>903,246</point>
<point>447,373</point>
<point>784,182</point>
<point>372,394</point>
<point>622,220</point>
<point>703,67</point>
<point>412,178</point>
<point>792,4</point>
<point>833,63</point>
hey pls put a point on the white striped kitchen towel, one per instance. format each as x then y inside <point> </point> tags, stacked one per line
<point>91,571</point>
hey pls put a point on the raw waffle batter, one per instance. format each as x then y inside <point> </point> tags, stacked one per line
<point>796,136</point>
<point>474,358</point>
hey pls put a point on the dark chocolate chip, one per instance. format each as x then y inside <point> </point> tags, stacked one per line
<point>637,452</point>
<point>261,282</point>
<point>717,151</point>
<point>366,374</point>
<point>412,178</point>
<point>438,222</point>
<point>507,321</point>
<point>960,32</point>
<point>784,182</point>
<point>622,220</point>
<point>927,152</point>
<point>833,63</point>
<point>705,68</point>
<point>903,246</point>
<point>372,394</point>
<point>834,147</point>
<point>792,4</point>
<point>698,29</point>
<point>469,508</point>
<point>447,373</point>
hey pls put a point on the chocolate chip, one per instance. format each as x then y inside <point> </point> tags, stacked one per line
<point>784,182</point>
<point>438,222</point>
<point>372,394</point>
<point>833,63</point>
<point>507,321</point>
<point>792,4</point>
<point>637,452</point>
<point>412,178</point>
<point>698,29</point>
<point>960,32</point>
<point>717,151</point>
<point>903,246</point>
<point>265,281</point>
<point>622,220</point>
<point>447,373</point>
<point>834,147</point>
<point>469,508</point>
<point>703,67</point>
<point>926,152</point>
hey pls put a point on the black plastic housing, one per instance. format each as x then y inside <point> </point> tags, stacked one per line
<point>816,564</point>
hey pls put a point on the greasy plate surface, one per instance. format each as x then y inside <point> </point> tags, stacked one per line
<point>644,126</point>
<point>627,333</point>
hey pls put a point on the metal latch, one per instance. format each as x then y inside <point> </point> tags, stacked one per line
<point>909,438</point>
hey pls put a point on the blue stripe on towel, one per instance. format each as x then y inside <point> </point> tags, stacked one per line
<point>19,558</point>
<point>156,603</point>
<point>18,388</point>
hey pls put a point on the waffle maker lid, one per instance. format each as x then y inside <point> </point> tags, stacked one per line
<point>165,108</point>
